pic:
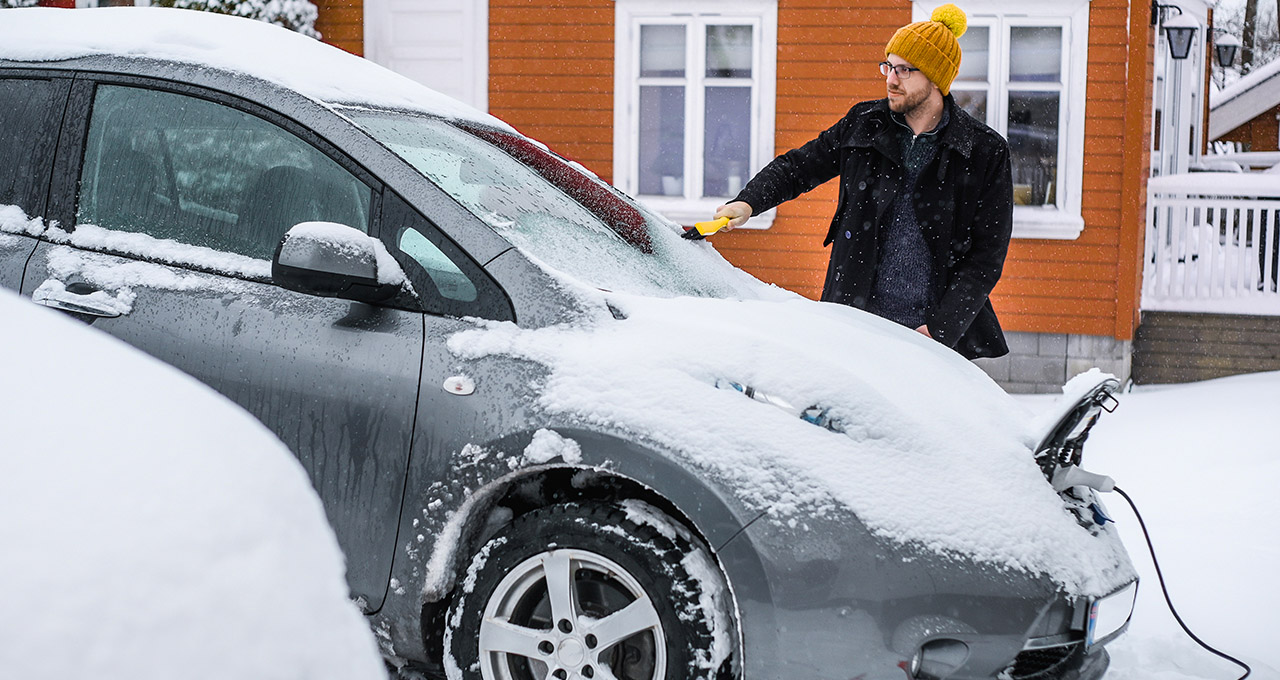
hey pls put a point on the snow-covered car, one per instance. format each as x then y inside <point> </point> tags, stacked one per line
<point>149,522</point>
<point>554,438</point>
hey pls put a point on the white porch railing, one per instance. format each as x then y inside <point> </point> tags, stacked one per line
<point>1212,244</point>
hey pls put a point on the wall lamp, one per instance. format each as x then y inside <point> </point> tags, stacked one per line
<point>1180,30</point>
<point>1226,48</point>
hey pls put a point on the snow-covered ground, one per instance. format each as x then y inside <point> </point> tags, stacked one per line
<point>1201,461</point>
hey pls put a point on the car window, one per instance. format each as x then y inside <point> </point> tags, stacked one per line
<point>197,172</point>
<point>564,218</point>
<point>29,111</point>
<point>448,278</point>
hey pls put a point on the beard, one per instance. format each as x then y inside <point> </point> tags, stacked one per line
<point>908,101</point>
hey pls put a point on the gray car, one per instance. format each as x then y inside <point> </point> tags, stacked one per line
<point>554,439</point>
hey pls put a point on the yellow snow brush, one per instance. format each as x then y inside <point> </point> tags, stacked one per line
<point>702,230</point>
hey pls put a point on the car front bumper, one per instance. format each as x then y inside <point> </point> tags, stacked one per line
<point>830,600</point>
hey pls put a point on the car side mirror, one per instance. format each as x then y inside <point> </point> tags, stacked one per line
<point>334,260</point>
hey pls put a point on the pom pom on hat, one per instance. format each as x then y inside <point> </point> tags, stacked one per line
<point>952,17</point>
<point>931,46</point>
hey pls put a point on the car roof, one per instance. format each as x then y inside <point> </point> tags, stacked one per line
<point>51,37</point>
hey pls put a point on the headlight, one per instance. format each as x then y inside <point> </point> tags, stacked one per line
<point>1109,615</point>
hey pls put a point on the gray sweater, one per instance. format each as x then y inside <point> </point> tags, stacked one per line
<point>902,288</point>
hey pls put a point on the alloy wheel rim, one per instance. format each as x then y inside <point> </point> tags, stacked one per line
<point>568,613</point>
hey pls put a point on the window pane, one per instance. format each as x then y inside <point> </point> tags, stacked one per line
<point>975,54</point>
<point>727,148</point>
<point>26,141</point>
<point>661,51</point>
<point>662,141</point>
<point>181,168</point>
<point>1035,53</point>
<point>729,51</point>
<point>974,102</point>
<point>449,279</point>
<point>1033,140</point>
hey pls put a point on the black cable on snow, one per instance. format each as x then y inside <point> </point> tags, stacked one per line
<point>1165,590</point>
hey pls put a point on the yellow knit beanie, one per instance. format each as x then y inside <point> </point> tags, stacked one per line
<point>931,46</point>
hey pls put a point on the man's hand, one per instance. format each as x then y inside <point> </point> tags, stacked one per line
<point>738,213</point>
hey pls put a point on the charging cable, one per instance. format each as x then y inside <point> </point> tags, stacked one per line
<point>1165,590</point>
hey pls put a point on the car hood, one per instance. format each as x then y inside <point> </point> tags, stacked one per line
<point>925,450</point>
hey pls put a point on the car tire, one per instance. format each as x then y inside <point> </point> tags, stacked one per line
<point>647,602</point>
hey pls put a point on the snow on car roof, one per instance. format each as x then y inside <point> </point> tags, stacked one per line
<point>265,51</point>
<point>150,523</point>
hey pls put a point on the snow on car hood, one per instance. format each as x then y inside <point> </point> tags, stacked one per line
<point>316,70</point>
<point>934,452</point>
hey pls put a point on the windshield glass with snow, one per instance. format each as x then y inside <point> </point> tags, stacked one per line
<point>560,215</point>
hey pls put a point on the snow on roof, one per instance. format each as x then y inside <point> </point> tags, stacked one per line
<point>1216,184</point>
<point>265,51</point>
<point>1239,102</point>
<point>1255,78</point>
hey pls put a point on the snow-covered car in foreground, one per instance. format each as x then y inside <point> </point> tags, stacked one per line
<point>152,528</point>
<point>554,439</point>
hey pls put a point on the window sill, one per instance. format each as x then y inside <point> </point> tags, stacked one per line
<point>1046,223</point>
<point>685,211</point>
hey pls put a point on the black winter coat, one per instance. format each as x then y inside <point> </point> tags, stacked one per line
<point>963,204</point>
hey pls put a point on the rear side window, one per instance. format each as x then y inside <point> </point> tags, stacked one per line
<point>201,173</point>
<point>30,113</point>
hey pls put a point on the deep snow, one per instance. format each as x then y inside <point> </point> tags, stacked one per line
<point>150,528</point>
<point>1201,461</point>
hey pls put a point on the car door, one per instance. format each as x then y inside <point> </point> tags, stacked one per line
<point>31,105</point>
<point>178,203</point>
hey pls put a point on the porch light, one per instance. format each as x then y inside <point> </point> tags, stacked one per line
<point>1181,31</point>
<point>1226,48</point>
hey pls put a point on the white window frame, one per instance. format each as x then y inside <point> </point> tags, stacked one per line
<point>1064,220</point>
<point>762,15</point>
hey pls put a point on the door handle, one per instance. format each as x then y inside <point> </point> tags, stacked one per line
<point>79,298</point>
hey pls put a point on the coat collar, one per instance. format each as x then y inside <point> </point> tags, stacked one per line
<point>958,134</point>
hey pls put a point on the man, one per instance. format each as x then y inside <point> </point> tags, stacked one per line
<point>925,211</point>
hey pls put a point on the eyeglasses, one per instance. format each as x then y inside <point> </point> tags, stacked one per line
<point>904,72</point>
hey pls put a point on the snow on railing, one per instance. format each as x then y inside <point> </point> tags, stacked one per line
<point>1213,243</point>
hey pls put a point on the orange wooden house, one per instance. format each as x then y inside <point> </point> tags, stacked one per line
<point>679,101</point>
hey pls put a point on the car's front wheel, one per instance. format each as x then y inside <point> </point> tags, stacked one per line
<point>590,590</point>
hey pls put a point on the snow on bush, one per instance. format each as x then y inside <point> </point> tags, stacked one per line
<point>295,15</point>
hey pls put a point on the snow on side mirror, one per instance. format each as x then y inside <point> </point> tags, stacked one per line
<point>334,260</point>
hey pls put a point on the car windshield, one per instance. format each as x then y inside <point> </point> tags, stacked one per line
<point>556,212</point>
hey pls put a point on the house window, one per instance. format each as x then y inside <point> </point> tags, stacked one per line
<point>694,101</point>
<point>1023,73</point>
